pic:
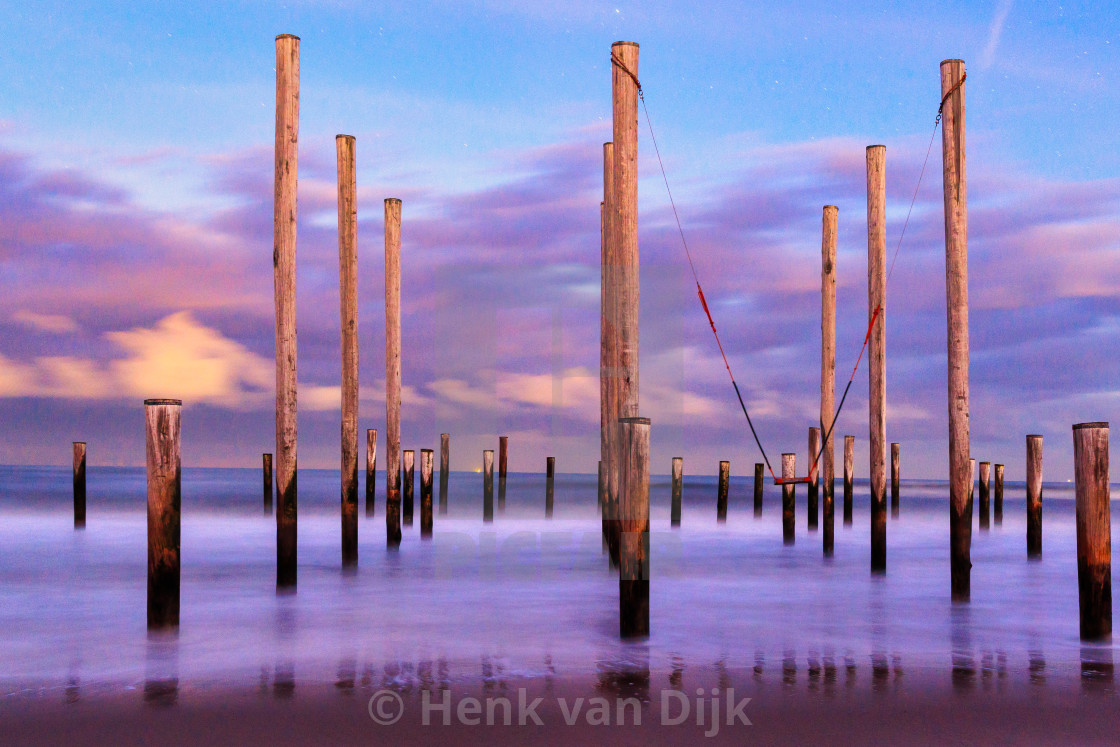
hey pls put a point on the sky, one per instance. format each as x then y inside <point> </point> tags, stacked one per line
<point>136,222</point>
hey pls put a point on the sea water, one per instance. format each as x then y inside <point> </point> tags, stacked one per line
<point>524,596</point>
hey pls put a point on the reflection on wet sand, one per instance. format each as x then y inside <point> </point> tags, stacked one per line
<point>1096,669</point>
<point>161,668</point>
<point>626,675</point>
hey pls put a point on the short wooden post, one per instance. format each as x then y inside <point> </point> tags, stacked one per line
<point>1034,496</point>
<point>985,493</point>
<point>444,469</point>
<point>955,194</point>
<point>284,285</point>
<point>79,484</point>
<point>1094,530</point>
<point>849,464</point>
<point>162,419</point>
<point>997,503</point>
<point>393,372</point>
<point>371,470</point>
<point>633,583</point>
<point>678,481</point>
<point>427,457</point>
<point>266,469</point>
<point>348,316</point>
<point>876,353</point>
<point>789,471</point>
<point>549,485</point>
<point>488,485</point>
<point>814,476</point>
<point>894,479</point>
<point>408,504</point>
<point>503,443</point>
<point>759,480</point>
<point>721,497</point>
<point>828,368</point>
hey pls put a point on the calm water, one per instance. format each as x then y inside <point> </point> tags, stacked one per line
<point>523,596</point>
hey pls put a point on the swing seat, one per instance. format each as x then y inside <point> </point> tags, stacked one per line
<point>792,480</point>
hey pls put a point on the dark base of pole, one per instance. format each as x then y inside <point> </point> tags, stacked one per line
<point>788,527</point>
<point>814,492</point>
<point>829,520</point>
<point>960,563</point>
<point>675,512</point>
<point>371,489</point>
<point>847,503</point>
<point>393,522</point>
<point>1094,585</point>
<point>548,497</point>
<point>879,534</point>
<point>501,495</point>
<point>488,508</point>
<point>894,501</point>
<point>633,613</point>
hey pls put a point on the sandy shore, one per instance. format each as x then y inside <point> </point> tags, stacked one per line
<point>620,709</point>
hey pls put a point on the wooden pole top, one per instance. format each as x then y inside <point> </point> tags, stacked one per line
<point>343,137</point>
<point>831,207</point>
<point>876,146</point>
<point>79,443</point>
<point>293,36</point>
<point>389,200</point>
<point>624,44</point>
<point>1038,435</point>
<point>1079,426</point>
<point>951,61</point>
<point>179,402</point>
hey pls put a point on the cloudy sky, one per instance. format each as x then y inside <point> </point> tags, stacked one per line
<point>136,221</point>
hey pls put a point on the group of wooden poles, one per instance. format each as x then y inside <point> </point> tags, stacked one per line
<point>624,434</point>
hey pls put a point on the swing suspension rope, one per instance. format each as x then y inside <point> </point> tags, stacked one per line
<point>616,61</point>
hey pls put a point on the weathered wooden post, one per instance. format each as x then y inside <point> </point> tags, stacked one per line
<point>721,497</point>
<point>623,226</point>
<point>849,478</point>
<point>985,492</point>
<point>162,420</point>
<point>503,443</point>
<point>789,471</point>
<point>79,484</point>
<point>997,503</point>
<point>894,479</point>
<point>1034,496</point>
<point>266,469</point>
<point>876,354</point>
<point>678,484</point>
<point>602,488</point>
<point>444,469</point>
<point>608,391</point>
<point>488,485</point>
<point>426,459</point>
<point>814,475</point>
<point>348,316</point>
<point>633,583</point>
<point>1094,530</point>
<point>828,367</point>
<point>954,187</point>
<point>759,479</point>
<point>284,285</point>
<point>371,470</point>
<point>549,485</point>
<point>409,486</point>
<point>393,372</point>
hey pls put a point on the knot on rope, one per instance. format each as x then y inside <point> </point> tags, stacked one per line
<point>618,62</point>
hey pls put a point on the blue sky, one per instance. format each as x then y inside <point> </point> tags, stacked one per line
<point>135,150</point>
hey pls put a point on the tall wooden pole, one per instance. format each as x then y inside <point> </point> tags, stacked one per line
<point>985,492</point>
<point>789,471</point>
<point>488,485</point>
<point>371,470</point>
<point>426,459</point>
<point>633,584</point>
<point>849,476</point>
<point>393,372</point>
<point>895,458</point>
<point>266,470</point>
<point>997,502</point>
<point>503,457</point>
<point>348,316</point>
<point>678,484</point>
<point>814,475</point>
<point>1034,496</point>
<point>444,469</point>
<point>1094,530</point>
<point>79,484</point>
<point>877,352</point>
<point>828,368</point>
<point>162,419</point>
<point>956,318</point>
<point>284,280</point>
<point>623,225</point>
<point>608,391</point>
